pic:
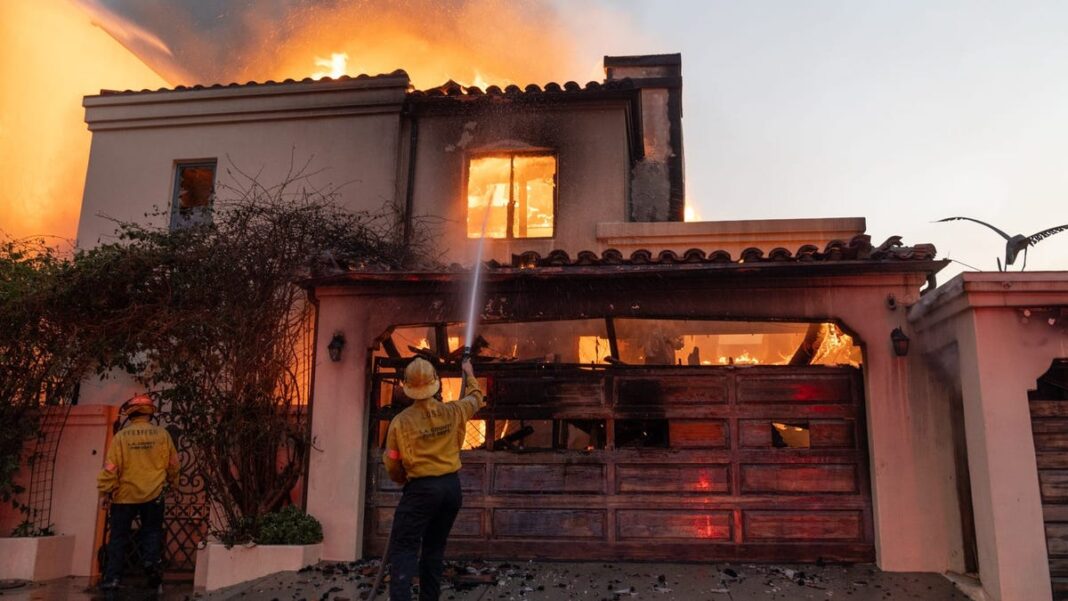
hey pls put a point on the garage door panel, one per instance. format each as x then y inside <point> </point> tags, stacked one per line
<point>698,434</point>
<point>674,524</point>
<point>801,388</point>
<point>791,478</point>
<point>549,478</point>
<point>472,478</point>
<point>686,478</point>
<point>822,433</point>
<point>670,390</point>
<point>833,434</point>
<point>468,522</point>
<point>803,525</point>
<point>549,523</point>
<point>541,397</point>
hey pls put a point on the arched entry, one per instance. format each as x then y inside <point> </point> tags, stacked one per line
<point>649,439</point>
<point>1049,425</point>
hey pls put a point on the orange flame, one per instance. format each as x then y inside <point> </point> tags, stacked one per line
<point>52,55</point>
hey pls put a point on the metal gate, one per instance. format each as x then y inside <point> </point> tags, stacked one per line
<point>186,516</point>
<point>653,463</point>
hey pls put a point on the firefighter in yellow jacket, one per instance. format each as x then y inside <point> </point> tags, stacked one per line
<point>423,453</point>
<point>140,462</point>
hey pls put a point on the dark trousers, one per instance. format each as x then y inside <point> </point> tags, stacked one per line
<point>122,515</point>
<point>422,521</point>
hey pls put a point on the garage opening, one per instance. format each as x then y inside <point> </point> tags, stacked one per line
<point>647,439</point>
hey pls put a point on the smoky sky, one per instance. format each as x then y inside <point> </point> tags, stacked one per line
<point>219,41</point>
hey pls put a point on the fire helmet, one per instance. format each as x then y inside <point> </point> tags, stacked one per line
<point>139,405</point>
<point>421,379</point>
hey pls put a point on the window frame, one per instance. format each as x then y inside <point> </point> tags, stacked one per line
<point>511,208</point>
<point>196,215</point>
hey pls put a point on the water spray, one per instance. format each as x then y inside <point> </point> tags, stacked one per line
<point>472,307</point>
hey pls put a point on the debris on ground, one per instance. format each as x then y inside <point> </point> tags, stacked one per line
<point>590,581</point>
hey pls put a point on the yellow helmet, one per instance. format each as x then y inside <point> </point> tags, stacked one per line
<point>421,379</point>
<point>141,404</point>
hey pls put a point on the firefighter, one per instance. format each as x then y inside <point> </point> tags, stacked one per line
<point>423,453</point>
<point>140,461</point>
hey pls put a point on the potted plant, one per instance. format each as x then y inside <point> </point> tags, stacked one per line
<point>285,540</point>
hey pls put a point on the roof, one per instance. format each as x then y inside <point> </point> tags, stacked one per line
<point>839,257</point>
<point>257,84</point>
<point>859,248</point>
<point>452,89</point>
<point>449,89</point>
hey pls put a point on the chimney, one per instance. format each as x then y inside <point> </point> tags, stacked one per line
<point>657,190</point>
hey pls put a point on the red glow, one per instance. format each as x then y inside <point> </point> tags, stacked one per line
<point>704,528</point>
<point>807,392</point>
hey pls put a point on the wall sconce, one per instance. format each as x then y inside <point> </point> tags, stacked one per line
<point>335,346</point>
<point>900,342</point>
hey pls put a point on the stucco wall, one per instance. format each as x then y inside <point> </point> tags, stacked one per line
<point>592,171</point>
<point>75,500</point>
<point>974,324</point>
<point>132,170</point>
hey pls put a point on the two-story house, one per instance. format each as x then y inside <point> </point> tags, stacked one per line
<point>658,389</point>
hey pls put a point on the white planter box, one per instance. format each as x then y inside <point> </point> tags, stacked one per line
<point>218,566</point>
<point>36,557</point>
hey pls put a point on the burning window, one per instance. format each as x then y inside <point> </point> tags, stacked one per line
<point>194,191</point>
<point>511,196</point>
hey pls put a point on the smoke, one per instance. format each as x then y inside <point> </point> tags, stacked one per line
<point>220,41</point>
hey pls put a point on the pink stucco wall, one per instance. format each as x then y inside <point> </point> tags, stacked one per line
<point>997,357</point>
<point>74,501</point>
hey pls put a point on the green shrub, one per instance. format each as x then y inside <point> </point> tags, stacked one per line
<point>290,526</point>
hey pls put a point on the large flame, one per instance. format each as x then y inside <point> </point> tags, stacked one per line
<point>52,56</point>
<point>475,42</point>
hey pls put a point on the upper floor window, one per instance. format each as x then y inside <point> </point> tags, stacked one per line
<point>511,195</point>
<point>194,192</point>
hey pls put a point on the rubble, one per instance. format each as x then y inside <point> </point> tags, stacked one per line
<point>559,581</point>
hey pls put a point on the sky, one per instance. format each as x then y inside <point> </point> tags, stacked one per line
<point>901,112</point>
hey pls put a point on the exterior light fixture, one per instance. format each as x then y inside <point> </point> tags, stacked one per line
<point>335,346</point>
<point>900,342</point>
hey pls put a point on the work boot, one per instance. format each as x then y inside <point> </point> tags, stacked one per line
<point>153,576</point>
<point>109,585</point>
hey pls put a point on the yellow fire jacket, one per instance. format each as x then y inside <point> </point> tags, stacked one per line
<point>425,439</point>
<point>140,459</point>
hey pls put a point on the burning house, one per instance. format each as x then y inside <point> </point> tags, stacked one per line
<point>786,390</point>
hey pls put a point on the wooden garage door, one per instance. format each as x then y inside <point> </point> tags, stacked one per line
<point>657,463</point>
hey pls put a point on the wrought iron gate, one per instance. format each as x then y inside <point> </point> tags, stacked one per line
<point>187,515</point>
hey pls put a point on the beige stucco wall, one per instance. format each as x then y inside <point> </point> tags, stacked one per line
<point>998,357</point>
<point>915,504</point>
<point>592,152</point>
<point>345,133</point>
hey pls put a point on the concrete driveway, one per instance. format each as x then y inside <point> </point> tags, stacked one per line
<point>544,581</point>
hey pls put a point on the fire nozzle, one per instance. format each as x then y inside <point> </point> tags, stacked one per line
<point>464,356</point>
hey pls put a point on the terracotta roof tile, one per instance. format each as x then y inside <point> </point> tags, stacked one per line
<point>256,84</point>
<point>551,89</point>
<point>859,248</point>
